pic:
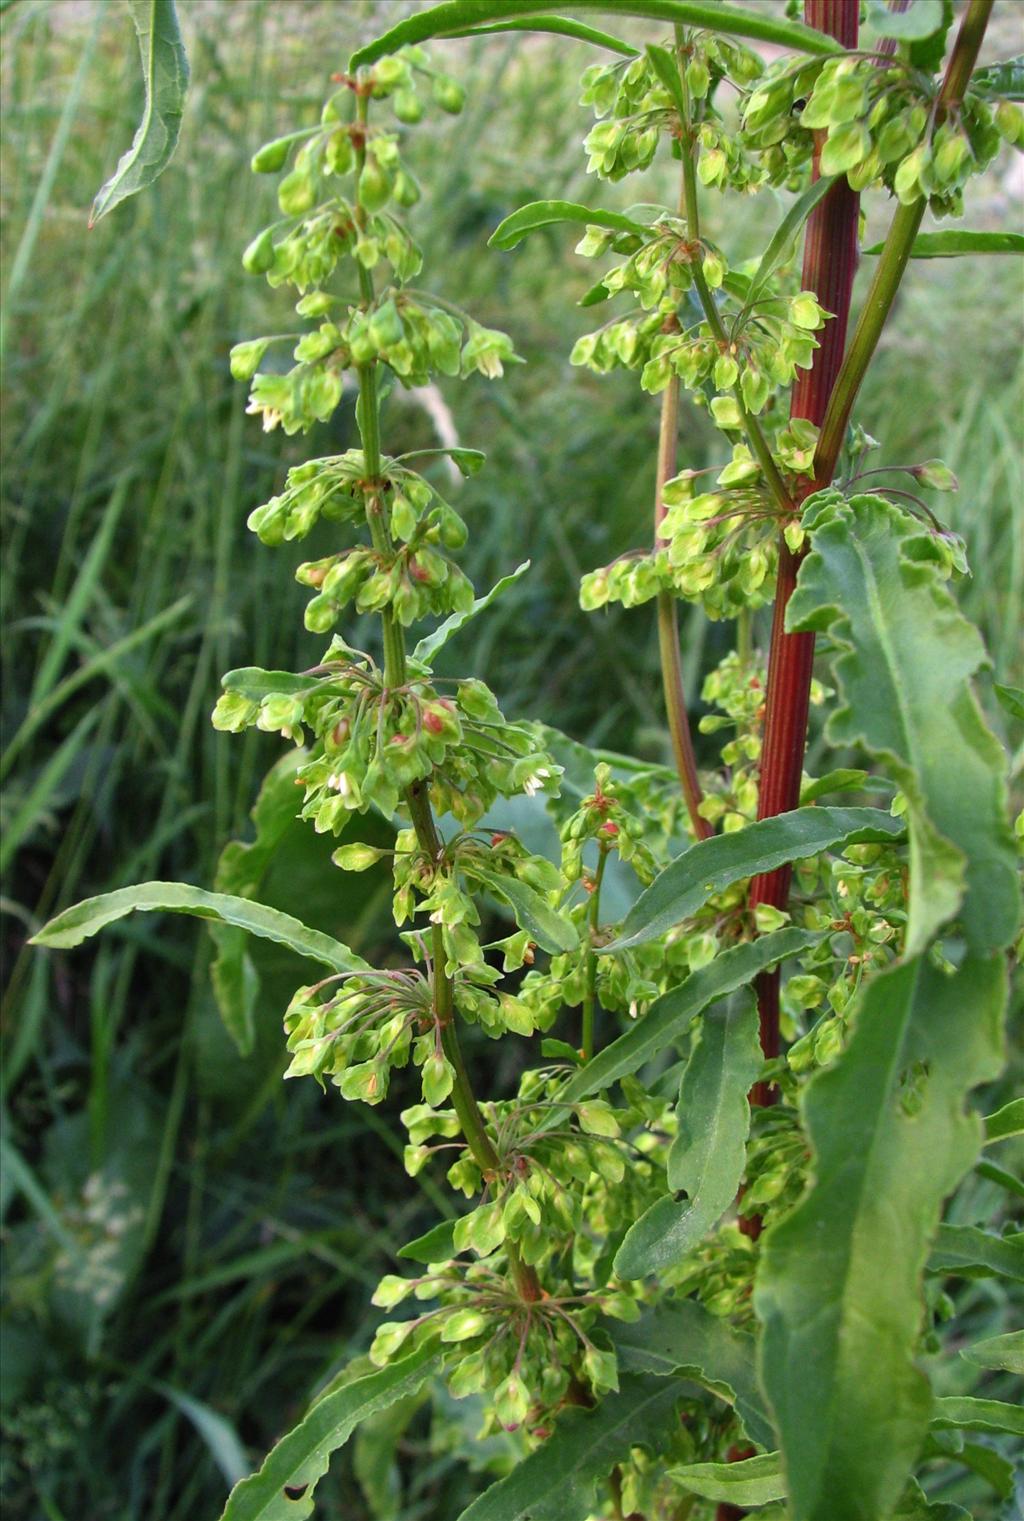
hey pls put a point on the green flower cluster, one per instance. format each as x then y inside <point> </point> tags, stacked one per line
<point>880,128</point>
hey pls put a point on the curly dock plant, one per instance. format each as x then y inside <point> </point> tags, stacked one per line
<point>701,1246</point>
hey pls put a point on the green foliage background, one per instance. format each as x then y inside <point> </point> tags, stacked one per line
<point>190,1247</point>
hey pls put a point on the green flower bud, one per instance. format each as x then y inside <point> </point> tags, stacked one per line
<point>448,94</point>
<point>374,189</point>
<point>511,1402</point>
<point>272,156</point>
<point>245,358</point>
<point>259,256</point>
<point>936,475</point>
<point>296,193</point>
<point>392,1290</point>
<point>438,1080</point>
<point>357,857</point>
<point>407,107</point>
<point>845,147</point>
<point>339,155</point>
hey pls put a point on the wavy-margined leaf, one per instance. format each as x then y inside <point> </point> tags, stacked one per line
<point>300,1459</point>
<point>670,1015</point>
<point>559,1481</point>
<point>956,1413</point>
<point>711,865</point>
<point>428,647</point>
<point>680,1336</point>
<point>85,919</point>
<point>551,213</point>
<point>838,1288</point>
<point>918,21</point>
<point>240,871</point>
<point>709,1152</point>
<point>1000,81</point>
<point>454,16</point>
<point>952,244</point>
<point>165,74</point>
<point>751,1481</point>
<point>1006,1122</point>
<point>904,668</point>
<point>1003,1353</point>
<point>551,930</point>
<point>967,1252</point>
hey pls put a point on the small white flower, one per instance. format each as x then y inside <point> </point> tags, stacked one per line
<point>534,783</point>
<point>339,782</point>
<point>437,917</point>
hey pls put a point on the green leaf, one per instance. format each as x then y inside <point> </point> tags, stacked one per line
<point>949,245</point>
<point>85,919</point>
<point>890,1140</point>
<point>844,779</point>
<point>716,863</point>
<point>1010,698</point>
<point>428,647</point>
<point>550,213</point>
<point>300,1459</point>
<point>551,930</point>
<point>253,682</point>
<point>670,1015</point>
<point>957,1413</point>
<point>709,1152</point>
<point>456,16</point>
<point>559,25</point>
<point>751,1481</point>
<point>240,871</point>
<point>165,74</point>
<point>1000,81</point>
<point>664,65</point>
<point>467,461</point>
<point>435,1245</point>
<point>920,20</point>
<point>559,1480</point>
<point>783,239</point>
<point>1006,1122</point>
<point>995,1174</point>
<point>1004,1353</point>
<point>904,667</point>
<point>680,1336</point>
<point>968,1252</point>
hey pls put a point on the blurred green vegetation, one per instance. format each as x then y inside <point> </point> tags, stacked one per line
<point>190,1247</point>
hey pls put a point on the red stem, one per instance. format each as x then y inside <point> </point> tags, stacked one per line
<point>830,262</point>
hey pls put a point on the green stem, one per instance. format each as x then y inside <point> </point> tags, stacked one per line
<point>894,258</point>
<point>417,802</point>
<point>590,990</point>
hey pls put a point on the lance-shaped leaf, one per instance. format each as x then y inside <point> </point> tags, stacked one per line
<point>957,1413</point>
<point>551,930</point>
<point>1006,1122</point>
<point>550,213</point>
<point>561,26</point>
<point>1004,1353</point>
<point>967,1252</point>
<point>428,647</point>
<point>85,919</point>
<point>904,668</point>
<point>709,1152</point>
<point>783,239</point>
<point>751,1481</point>
<point>680,1336</point>
<point>165,75</point>
<point>950,245</point>
<point>670,1015</point>
<point>559,1481</point>
<point>283,1489</point>
<point>1000,81</point>
<point>713,864</point>
<point>838,1287</point>
<point>455,16</point>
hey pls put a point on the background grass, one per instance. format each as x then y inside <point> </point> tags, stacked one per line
<point>190,1246</point>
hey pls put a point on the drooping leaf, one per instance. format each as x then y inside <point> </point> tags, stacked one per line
<point>750,1481</point>
<point>911,25</point>
<point>783,239</point>
<point>716,863</point>
<point>838,1287</point>
<point>1004,1353</point>
<point>670,1015</point>
<point>904,667</point>
<point>996,1174</point>
<point>551,930</point>
<point>283,1489</point>
<point>561,26</point>
<point>680,1336</point>
<point>951,244</point>
<point>453,16</point>
<point>560,1479</point>
<point>435,1245</point>
<point>709,1152</point>
<point>1006,1122</point>
<point>1000,81</point>
<point>968,1252</point>
<point>550,213</point>
<point>165,75</point>
<point>467,461</point>
<point>960,1413</point>
<point>87,918</point>
<point>240,871</point>
<point>844,779</point>
<point>428,647</point>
